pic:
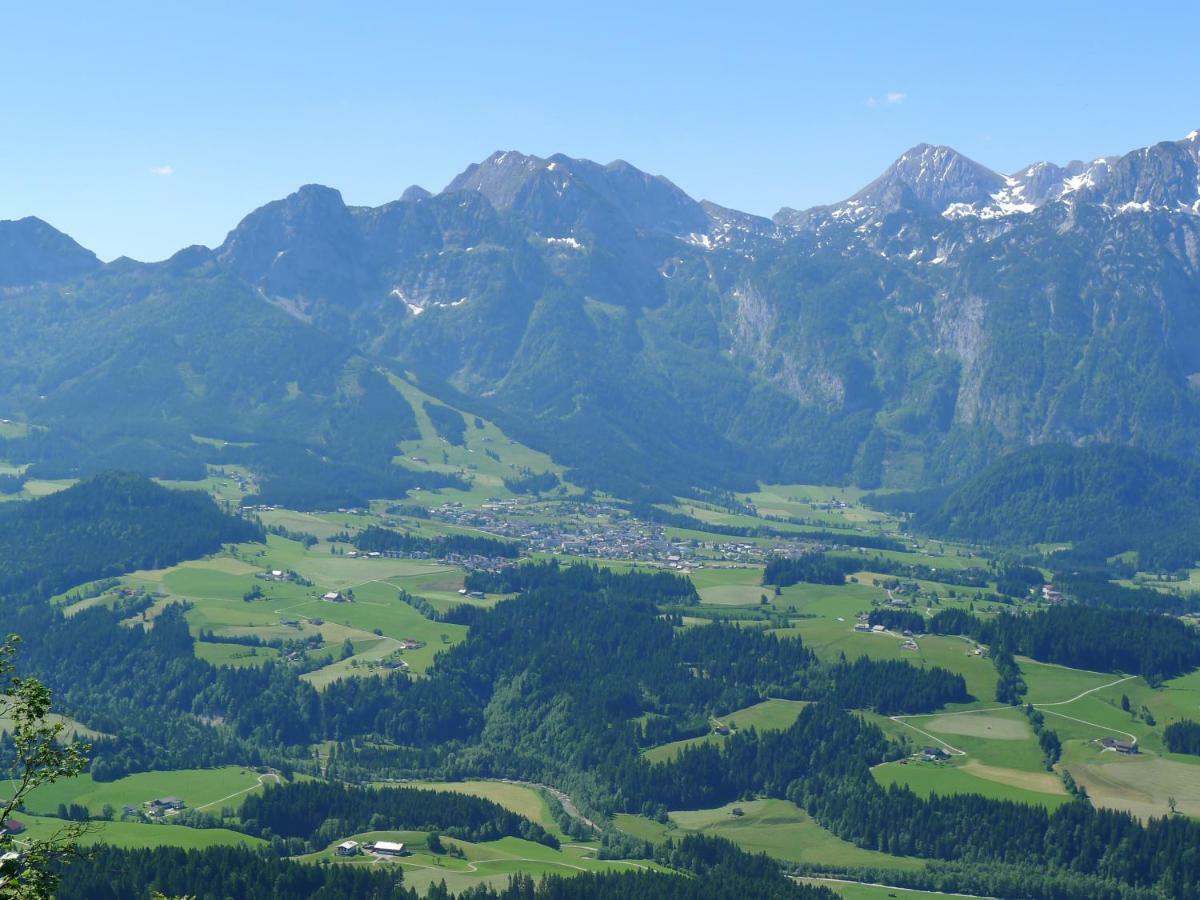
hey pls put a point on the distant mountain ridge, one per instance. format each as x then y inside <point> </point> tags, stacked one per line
<point>941,316</point>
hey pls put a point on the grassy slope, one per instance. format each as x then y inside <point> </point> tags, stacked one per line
<point>210,789</point>
<point>776,827</point>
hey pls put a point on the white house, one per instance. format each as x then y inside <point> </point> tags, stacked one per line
<point>347,848</point>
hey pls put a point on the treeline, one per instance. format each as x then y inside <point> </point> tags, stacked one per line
<point>216,873</point>
<point>1154,646</point>
<point>822,763</point>
<point>897,620</point>
<point>447,422</point>
<point>813,568</point>
<point>655,586</point>
<point>1183,737</point>
<point>108,525</point>
<point>648,512</point>
<point>1104,498</point>
<point>386,540</point>
<point>318,813</point>
<point>298,478</point>
<point>1092,588</point>
<point>532,482</point>
<point>706,868</point>
<point>971,577</point>
<point>989,879</point>
<point>552,686</point>
<point>889,686</point>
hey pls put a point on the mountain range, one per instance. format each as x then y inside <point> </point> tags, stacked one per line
<point>940,317</point>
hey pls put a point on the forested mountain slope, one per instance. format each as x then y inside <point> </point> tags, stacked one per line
<point>1105,499</point>
<point>940,317</point>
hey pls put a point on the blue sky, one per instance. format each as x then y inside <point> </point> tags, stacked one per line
<point>142,128</point>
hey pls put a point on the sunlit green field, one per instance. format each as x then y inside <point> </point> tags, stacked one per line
<point>486,863</point>
<point>1044,789</point>
<point>375,622</point>
<point>518,798</point>
<point>205,789</point>
<point>776,827</point>
<point>770,715</point>
<point>139,835</point>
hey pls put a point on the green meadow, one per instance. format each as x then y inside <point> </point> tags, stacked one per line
<point>518,798</point>
<point>140,835</point>
<point>206,789</point>
<point>485,863</point>
<point>769,715</point>
<point>946,778</point>
<point>776,827</point>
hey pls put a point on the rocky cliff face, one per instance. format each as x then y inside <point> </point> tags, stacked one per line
<point>945,312</point>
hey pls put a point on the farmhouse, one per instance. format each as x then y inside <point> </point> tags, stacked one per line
<point>1110,743</point>
<point>333,597</point>
<point>12,826</point>
<point>347,848</point>
<point>387,848</point>
<point>162,804</point>
<point>862,626</point>
<point>878,629</point>
<point>934,754</point>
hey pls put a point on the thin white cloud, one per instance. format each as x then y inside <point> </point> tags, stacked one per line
<point>891,98</point>
<point>162,170</point>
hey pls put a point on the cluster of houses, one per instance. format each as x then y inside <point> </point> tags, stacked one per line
<point>602,531</point>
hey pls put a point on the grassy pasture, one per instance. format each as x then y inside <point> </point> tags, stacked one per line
<point>215,586</point>
<point>210,789</point>
<point>487,863</point>
<point>440,456</point>
<point>853,891</point>
<point>140,835</point>
<point>1139,784</point>
<point>981,725</point>
<point>769,715</point>
<point>518,798</point>
<point>37,487</point>
<point>927,778</point>
<point>1051,684</point>
<point>830,632</point>
<point>72,728</point>
<point>776,827</point>
<point>234,655</point>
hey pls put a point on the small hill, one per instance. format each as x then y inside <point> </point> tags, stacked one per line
<point>1105,499</point>
<point>108,525</point>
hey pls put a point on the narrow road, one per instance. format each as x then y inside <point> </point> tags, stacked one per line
<point>262,780</point>
<point>955,751</point>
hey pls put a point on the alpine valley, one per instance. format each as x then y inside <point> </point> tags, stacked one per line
<point>561,536</point>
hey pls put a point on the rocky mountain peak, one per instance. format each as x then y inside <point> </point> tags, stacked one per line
<point>933,176</point>
<point>32,250</point>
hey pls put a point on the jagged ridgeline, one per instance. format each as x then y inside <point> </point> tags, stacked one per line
<point>651,342</point>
